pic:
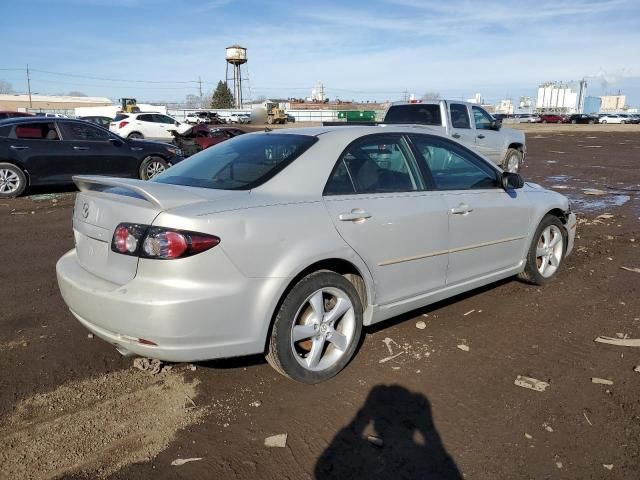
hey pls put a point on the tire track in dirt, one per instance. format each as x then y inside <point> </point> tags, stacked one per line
<point>96,426</point>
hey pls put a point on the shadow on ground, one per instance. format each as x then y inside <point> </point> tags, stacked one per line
<point>410,444</point>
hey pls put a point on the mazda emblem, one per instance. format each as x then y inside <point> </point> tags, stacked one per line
<point>85,210</point>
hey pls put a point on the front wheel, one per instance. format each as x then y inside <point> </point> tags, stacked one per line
<point>546,252</point>
<point>317,328</point>
<point>151,167</point>
<point>603,121</point>
<point>13,181</point>
<point>513,160</point>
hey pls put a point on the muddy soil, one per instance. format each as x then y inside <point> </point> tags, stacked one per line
<point>72,407</point>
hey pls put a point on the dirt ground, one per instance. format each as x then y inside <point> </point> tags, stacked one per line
<point>72,407</point>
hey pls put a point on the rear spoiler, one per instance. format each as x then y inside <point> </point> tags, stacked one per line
<point>163,196</point>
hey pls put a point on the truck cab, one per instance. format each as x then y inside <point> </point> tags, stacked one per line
<point>468,123</point>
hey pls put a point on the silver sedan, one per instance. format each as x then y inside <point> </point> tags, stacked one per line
<point>290,242</point>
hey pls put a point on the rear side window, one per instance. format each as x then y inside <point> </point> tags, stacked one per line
<point>425,114</point>
<point>240,163</point>
<point>37,131</point>
<point>145,118</point>
<point>375,164</point>
<point>459,116</point>
<point>77,131</point>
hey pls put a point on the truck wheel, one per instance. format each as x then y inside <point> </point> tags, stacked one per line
<point>152,166</point>
<point>512,160</point>
<point>13,181</point>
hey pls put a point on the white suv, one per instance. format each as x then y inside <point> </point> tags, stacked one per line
<point>153,126</point>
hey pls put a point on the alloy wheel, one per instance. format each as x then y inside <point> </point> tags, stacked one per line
<point>9,181</point>
<point>549,251</point>
<point>154,168</point>
<point>323,330</point>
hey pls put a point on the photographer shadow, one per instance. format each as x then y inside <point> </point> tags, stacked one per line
<point>391,436</point>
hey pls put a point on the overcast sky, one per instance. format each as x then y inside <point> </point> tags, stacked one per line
<point>360,49</point>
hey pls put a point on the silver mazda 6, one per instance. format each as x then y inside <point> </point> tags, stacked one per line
<point>289,242</point>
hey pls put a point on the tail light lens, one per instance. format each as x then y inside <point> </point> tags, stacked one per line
<point>159,243</point>
<point>123,124</point>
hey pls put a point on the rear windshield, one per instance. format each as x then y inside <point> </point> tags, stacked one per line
<point>240,163</point>
<point>425,114</point>
<point>120,116</point>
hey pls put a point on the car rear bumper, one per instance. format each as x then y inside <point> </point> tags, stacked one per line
<point>186,320</point>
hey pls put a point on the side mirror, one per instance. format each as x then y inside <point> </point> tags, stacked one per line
<point>495,124</point>
<point>512,181</point>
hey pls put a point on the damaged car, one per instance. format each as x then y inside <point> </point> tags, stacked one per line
<point>201,137</point>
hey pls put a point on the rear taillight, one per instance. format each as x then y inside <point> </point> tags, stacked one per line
<point>123,124</point>
<point>159,243</point>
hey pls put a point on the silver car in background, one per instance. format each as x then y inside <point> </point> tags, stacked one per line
<point>290,242</point>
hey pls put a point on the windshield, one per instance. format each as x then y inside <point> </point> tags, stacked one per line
<point>240,163</point>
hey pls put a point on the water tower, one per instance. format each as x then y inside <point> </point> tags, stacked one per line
<point>236,57</point>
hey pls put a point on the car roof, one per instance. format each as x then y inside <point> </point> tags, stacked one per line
<point>352,132</point>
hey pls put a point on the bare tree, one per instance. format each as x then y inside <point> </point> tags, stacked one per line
<point>192,101</point>
<point>5,87</point>
<point>431,96</point>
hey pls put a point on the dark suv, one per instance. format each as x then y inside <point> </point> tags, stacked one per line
<point>581,118</point>
<point>47,151</point>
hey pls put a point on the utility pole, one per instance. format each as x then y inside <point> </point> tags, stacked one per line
<point>29,86</point>
<point>200,85</point>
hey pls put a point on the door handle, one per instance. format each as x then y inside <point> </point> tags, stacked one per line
<point>456,135</point>
<point>81,148</point>
<point>18,147</point>
<point>480,136</point>
<point>355,215</point>
<point>461,209</point>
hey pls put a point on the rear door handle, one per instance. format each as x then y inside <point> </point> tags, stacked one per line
<point>480,136</point>
<point>18,147</point>
<point>456,135</point>
<point>81,148</point>
<point>461,209</point>
<point>354,215</point>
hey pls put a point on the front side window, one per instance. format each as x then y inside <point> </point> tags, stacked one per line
<point>37,131</point>
<point>76,131</point>
<point>240,163</point>
<point>163,119</point>
<point>452,167</point>
<point>459,115</point>
<point>376,164</point>
<point>482,119</point>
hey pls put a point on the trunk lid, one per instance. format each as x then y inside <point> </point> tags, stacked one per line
<point>105,202</point>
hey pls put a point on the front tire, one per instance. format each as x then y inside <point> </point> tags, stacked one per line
<point>151,167</point>
<point>512,160</point>
<point>546,252</point>
<point>317,328</point>
<point>13,181</point>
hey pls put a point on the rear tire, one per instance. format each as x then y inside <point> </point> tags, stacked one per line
<point>546,253</point>
<point>152,166</point>
<point>135,135</point>
<point>13,181</point>
<point>325,312</point>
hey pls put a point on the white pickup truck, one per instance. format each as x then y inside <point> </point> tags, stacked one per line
<point>468,123</point>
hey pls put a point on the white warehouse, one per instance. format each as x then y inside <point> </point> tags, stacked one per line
<point>561,97</point>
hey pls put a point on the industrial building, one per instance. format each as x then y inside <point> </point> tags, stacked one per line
<point>613,103</point>
<point>560,97</point>
<point>23,103</point>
